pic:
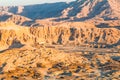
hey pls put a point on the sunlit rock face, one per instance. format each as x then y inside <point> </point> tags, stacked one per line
<point>75,33</point>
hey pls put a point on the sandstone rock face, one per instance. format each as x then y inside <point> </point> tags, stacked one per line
<point>65,33</point>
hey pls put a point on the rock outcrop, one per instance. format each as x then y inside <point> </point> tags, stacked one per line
<point>74,33</point>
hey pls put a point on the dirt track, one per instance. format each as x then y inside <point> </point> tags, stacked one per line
<point>83,49</point>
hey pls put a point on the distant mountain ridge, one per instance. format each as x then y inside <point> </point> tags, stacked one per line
<point>96,11</point>
<point>38,11</point>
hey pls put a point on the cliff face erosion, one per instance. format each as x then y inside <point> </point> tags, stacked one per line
<point>74,33</point>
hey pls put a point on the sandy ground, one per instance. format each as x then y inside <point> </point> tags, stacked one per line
<point>39,62</point>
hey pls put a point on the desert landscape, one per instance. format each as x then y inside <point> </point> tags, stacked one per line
<point>79,40</point>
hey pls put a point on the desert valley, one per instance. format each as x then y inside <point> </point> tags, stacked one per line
<point>79,40</point>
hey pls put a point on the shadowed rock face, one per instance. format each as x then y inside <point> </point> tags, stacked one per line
<point>94,11</point>
<point>16,44</point>
<point>38,11</point>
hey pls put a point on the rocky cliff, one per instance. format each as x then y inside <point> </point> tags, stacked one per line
<point>74,33</point>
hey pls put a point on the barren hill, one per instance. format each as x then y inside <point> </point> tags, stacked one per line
<point>66,33</point>
<point>98,12</point>
<point>87,9</point>
<point>39,11</point>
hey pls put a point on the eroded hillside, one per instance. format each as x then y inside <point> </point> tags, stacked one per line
<point>59,50</point>
<point>69,33</point>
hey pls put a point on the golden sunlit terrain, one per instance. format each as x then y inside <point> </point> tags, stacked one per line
<point>79,40</point>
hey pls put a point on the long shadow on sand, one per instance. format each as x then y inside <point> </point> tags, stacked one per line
<point>105,25</point>
<point>15,44</point>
